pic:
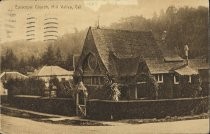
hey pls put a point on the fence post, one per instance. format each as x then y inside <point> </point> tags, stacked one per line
<point>77,103</point>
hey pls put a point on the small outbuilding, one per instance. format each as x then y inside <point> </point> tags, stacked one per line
<point>5,76</point>
<point>47,72</point>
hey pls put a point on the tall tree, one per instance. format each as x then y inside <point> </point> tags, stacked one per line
<point>48,57</point>
<point>69,62</point>
<point>22,66</point>
<point>9,61</point>
<point>184,25</point>
<point>34,62</point>
<point>58,55</point>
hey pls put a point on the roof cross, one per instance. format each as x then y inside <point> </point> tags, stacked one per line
<point>98,25</point>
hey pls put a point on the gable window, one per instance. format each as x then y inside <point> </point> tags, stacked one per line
<point>189,79</point>
<point>159,78</point>
<point>93,80</point>
<point>92,62</point>
<point>176,79</point>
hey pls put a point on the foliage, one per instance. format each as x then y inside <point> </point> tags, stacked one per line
<point>183,25</point>
<point>154,86</point>
<point>25,86</point>
<point>9,61</point>
<point>190,89</point>
<point>150,109</point>
<point>69,62</point>
<point>112,89</point>
<point>115,92</point>
<point>52,56</point>
<point>66,89</point>
<point>27,56</point>
<point>48,57</point>
<point>32,86</point>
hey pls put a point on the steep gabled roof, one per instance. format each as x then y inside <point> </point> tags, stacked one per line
<point>121,52</point>
<point>123,43</point>
<point>118,47</point>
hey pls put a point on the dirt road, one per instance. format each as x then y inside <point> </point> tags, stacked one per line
<point>13,125</point>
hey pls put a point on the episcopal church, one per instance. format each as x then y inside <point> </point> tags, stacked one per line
<point>130,57</point>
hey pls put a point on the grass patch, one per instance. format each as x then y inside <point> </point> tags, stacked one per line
<point>21,114</point>
<point>46,119</point>
<point>166,119</point>
<point>75,122</point>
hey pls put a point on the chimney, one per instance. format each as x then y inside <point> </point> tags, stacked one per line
<point>186,49</point>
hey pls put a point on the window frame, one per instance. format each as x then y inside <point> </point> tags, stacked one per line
<point>95,80</point>
<point>159,78</point>
<point>190,79</point>
<point>175,79</point>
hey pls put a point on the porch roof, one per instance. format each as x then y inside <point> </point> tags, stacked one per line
<point>186,71</point>
<point>157,66</point>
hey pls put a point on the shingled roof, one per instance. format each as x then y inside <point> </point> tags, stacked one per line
<point>159,66</point>
<point>122,48</point>
<point>126,44</point>
<point>122,51</point>
<point>186,70</point>
<point>169,54</point>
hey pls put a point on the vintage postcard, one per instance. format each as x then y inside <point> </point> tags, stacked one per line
<point>104,66</point>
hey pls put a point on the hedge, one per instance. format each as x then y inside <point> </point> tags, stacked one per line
<point>105,110</point>
<point>33,86</point>
<point>4,99</point>
<point>29,86</point>
<point>60,106</point>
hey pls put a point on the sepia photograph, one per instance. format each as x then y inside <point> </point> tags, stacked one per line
<point>104,67</point>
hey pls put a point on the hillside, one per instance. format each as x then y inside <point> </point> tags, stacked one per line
<point>182,26</point>
<point>69,44</point>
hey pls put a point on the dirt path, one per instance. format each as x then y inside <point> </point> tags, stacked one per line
<point>13,125</point>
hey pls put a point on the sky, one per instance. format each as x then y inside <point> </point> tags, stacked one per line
<point>77,14</point>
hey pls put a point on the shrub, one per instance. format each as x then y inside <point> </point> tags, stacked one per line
<point>65,89</point>
<point>29,86</point>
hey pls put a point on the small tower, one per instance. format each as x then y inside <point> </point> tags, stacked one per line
<point>186,49</point>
